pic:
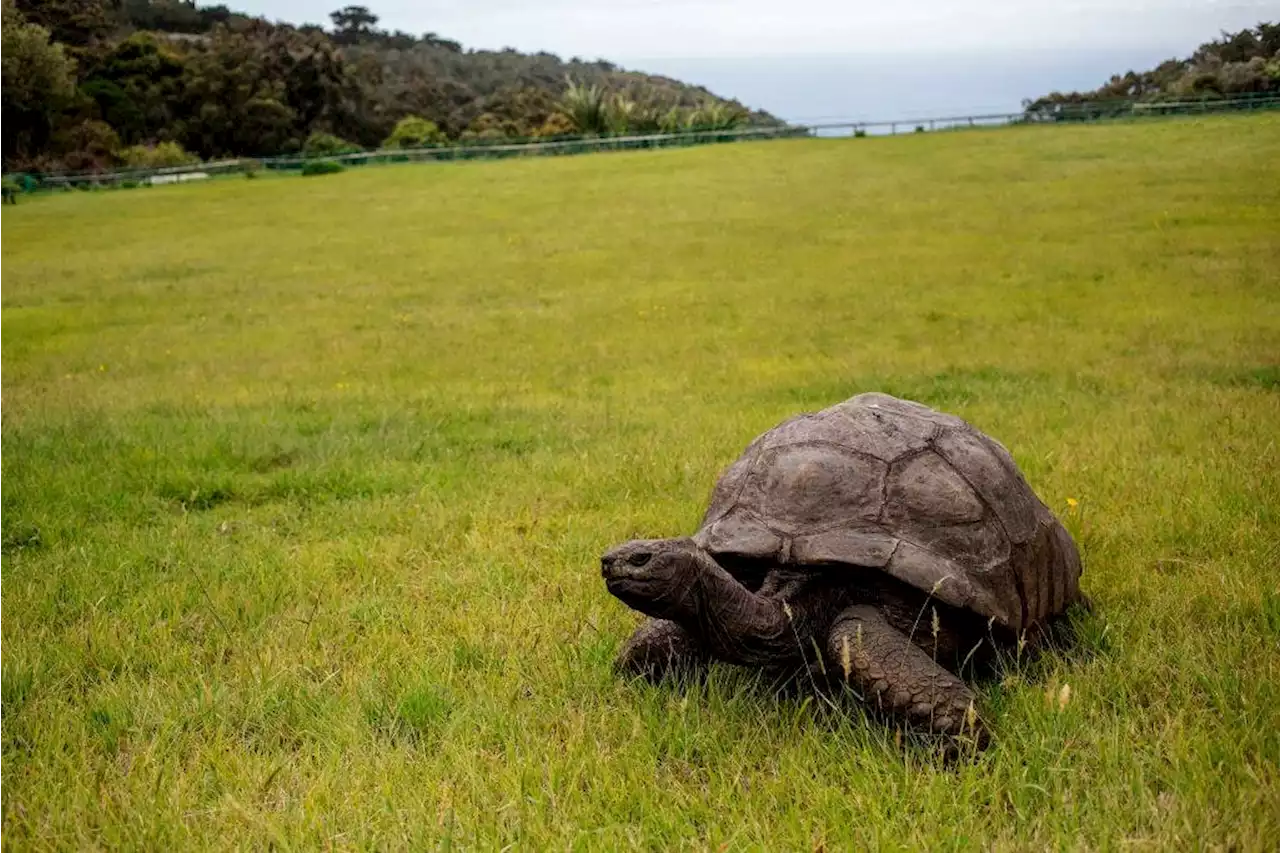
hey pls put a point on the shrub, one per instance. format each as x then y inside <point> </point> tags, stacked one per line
<point>157,156</point>
<point>859,134</point>
<point>322,167</point>
<point>321,144</point>
<point>251,168</point>
<point>485,136</point>
<point>90,146</point>
<point>557,124</point>
<point>11,190</point>
<point>415,132</point>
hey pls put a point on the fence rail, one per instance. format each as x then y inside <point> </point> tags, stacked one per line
<point>1082,111</point>
<point>525,148</point>
<point>1122,108</point>
<point>476,151</point>
<point>1034,114</point>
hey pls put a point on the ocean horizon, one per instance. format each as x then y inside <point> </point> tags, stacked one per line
<point>902,86</point>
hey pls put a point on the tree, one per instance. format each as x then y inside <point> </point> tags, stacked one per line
<point>435,40</point>
<point>314,74</point>
<point>514,110</point>
<point>222,83</point>
<point>1235,64</point>
<point>174,16</point>
<point>38,81</point>
<point>260,89</point>
<point>169,16</point>
<point>76,23</point>
<point>352,24</point>
<point>232,102</point>
<point>135,87</point>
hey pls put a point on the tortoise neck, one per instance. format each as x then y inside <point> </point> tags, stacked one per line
<point>737,625</point>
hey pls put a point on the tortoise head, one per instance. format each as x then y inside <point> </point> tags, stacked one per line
<point>654,576</point>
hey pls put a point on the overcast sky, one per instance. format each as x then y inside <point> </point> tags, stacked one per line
<point>636,29</point>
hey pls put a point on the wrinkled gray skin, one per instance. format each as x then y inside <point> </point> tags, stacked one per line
<point>883,543</point>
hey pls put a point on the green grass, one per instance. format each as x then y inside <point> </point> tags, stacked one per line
<point>305,484</point>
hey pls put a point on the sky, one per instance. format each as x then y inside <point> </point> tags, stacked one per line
<point>623,30</point>
<point>823,60</point>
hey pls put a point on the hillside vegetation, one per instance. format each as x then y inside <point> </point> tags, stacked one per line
<point>302,514</point>
<point>92,83</point>
<point>1235,65</point>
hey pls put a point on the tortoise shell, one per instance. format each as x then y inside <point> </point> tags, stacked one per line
<point>883,483</point>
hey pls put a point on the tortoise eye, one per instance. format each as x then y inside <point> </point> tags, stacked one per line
<point>639,558</point>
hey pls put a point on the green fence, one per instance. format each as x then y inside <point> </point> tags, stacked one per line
<point>477,150</point>
<point>1068,111</point>
<point>473,150</point>
<point>500,149</point>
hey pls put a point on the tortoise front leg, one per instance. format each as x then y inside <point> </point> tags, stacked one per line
<point>899,677</point>
<point>660,648</point>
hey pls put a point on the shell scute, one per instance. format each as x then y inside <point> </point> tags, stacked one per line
<point>883,432</point>
<point>870,547</point>
<point>740,532</point>
<point>996,481</point>
<point>804,488</point>
<point>925,490</point>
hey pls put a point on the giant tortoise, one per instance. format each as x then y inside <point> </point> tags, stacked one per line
<point>885,542</point>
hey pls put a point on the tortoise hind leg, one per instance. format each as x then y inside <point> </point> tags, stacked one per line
<point>899,677</point>
<point>658,649</point>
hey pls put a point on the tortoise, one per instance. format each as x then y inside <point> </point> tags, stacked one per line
<point>890,544</point>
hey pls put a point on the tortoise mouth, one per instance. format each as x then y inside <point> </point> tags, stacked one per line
<point>631,575</point>
<point>637,591</point>
<point>650,574</point>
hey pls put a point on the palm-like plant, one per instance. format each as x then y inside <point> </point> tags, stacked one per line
<point>673,120</point>
<point>621,114</point>
<point>646,118</point>
<point>586,107</point>
<point>628,116</point>
<point>717,116</point>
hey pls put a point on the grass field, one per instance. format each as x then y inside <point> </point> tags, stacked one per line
<point>305,483</point>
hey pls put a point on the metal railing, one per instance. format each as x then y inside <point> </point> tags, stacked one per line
<point>1067,111</point>
<point>535,147</point>
<point>471,151</point>
<point>138,176</point>
<point>1043,114</point>
<point>1082,111</point>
